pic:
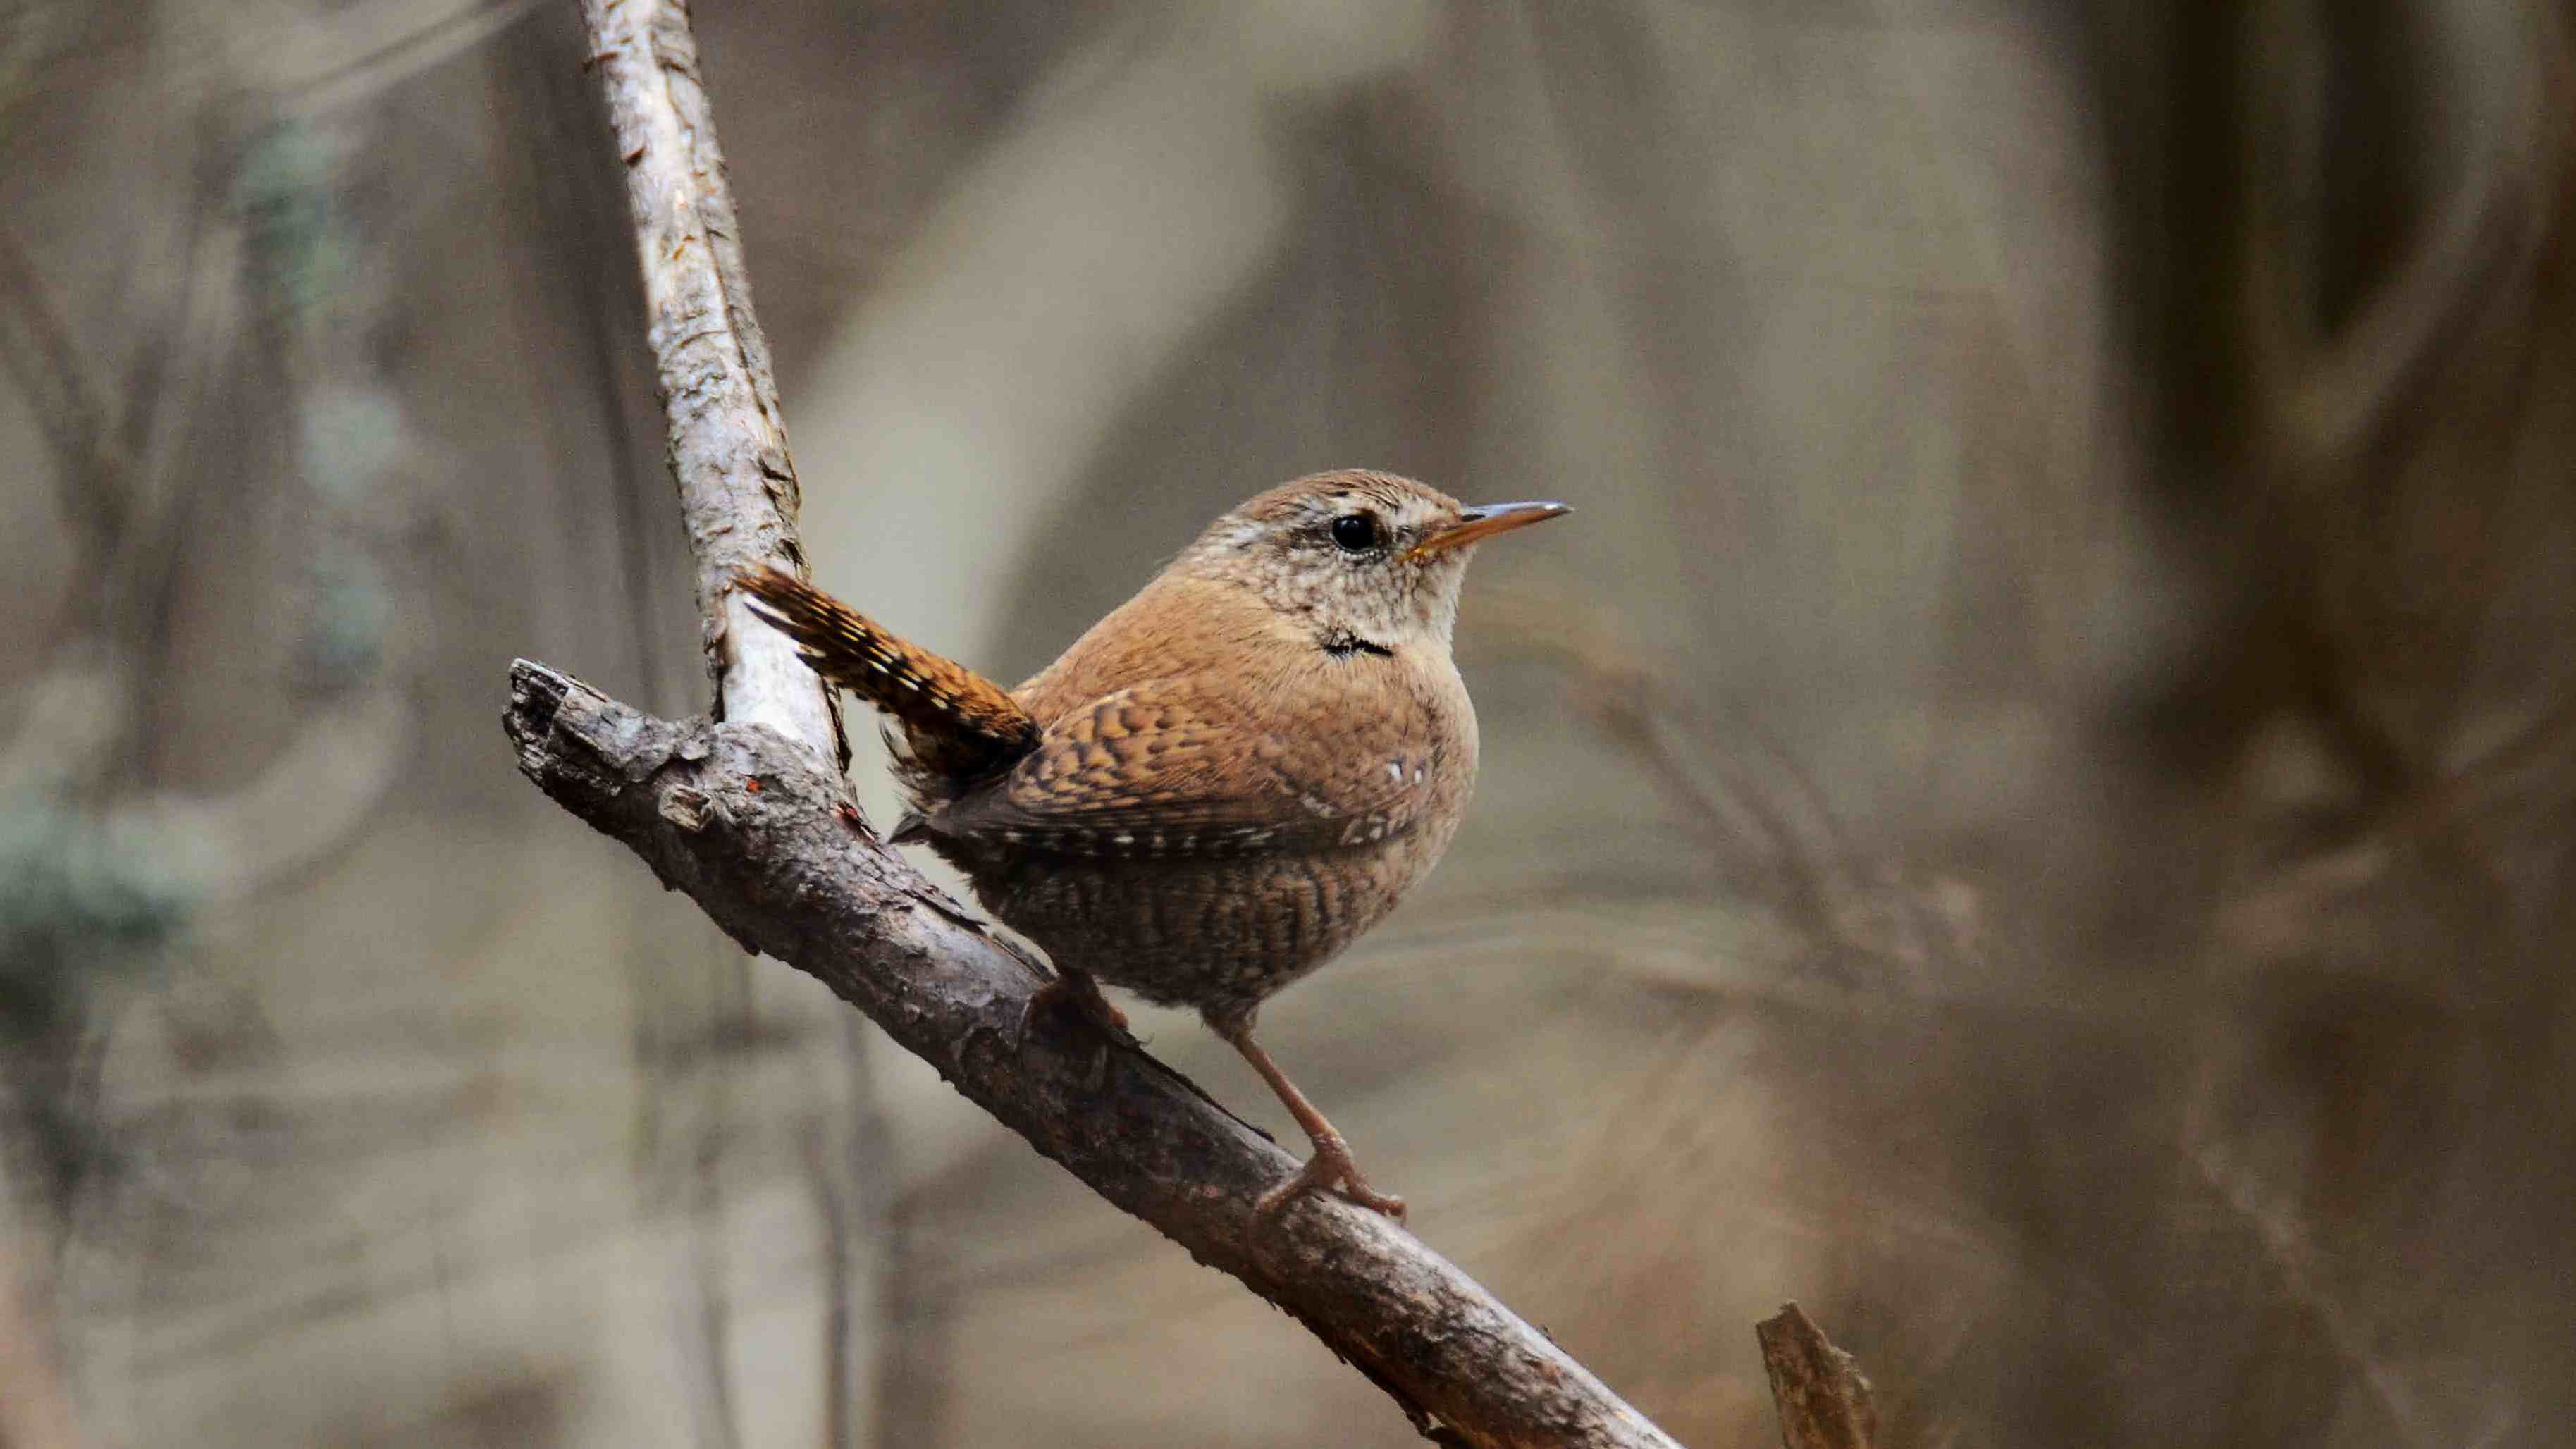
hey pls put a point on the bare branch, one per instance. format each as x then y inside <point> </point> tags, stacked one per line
<point>1823,1400</point>
<point>762,835</point>
<point>728,446</point>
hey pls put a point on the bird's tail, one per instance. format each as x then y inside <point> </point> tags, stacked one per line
<point>959,724</point>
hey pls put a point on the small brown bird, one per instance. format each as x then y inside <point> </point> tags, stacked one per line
<point>1225,781</point>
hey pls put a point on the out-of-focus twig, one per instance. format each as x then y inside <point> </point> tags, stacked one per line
<point>2323,397</point>
<point>1824,1401</point>
<point>325,778</point>
<point>335,58</point>
<point>1627,702</point>
<point>89,458</point>
<point>2285,1240</point>
<point>1828,888</point>
<point>840,1290</point>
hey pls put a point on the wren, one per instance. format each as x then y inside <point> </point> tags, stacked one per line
<point>1225,781</point>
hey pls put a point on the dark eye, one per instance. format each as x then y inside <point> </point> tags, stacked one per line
<point>1356,532</point>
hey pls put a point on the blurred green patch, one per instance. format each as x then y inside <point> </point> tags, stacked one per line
<point>78,909</point>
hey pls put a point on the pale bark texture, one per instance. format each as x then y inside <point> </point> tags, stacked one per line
<point>728,445</point>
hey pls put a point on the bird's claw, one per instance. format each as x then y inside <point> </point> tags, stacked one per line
<point>1071,988</point>
<point>1074,989</point>
<point>1330,1168</point>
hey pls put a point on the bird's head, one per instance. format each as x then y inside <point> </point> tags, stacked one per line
<point>1369,561</point>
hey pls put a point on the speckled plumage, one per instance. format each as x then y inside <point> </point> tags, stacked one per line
<point>1227,780</point>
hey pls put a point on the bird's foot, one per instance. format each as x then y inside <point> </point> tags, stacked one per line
<point>1330,1168</point>
<point>1077,990</point>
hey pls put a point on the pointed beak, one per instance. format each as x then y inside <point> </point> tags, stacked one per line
<point>1483,522</point>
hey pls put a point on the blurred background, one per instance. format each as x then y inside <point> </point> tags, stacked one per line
<point>2029,811</point>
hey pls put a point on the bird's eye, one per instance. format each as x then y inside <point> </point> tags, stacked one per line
<point>1356,532</point>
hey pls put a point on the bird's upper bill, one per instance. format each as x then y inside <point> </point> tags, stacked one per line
<point>1484,521</point>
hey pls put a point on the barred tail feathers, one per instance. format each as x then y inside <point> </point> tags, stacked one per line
<point>958,723</point>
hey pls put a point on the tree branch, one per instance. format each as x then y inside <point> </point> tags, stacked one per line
<point>728,445</point>
<point>756,825</point>
<point>758,832</point>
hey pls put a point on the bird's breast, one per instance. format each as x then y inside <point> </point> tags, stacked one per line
<point>1329,794</point>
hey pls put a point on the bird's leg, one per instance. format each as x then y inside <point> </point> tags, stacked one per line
<point>1330,1166</point>
<point>1078,990</point>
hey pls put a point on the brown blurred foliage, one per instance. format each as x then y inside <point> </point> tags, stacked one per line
<point>2030,811</point>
